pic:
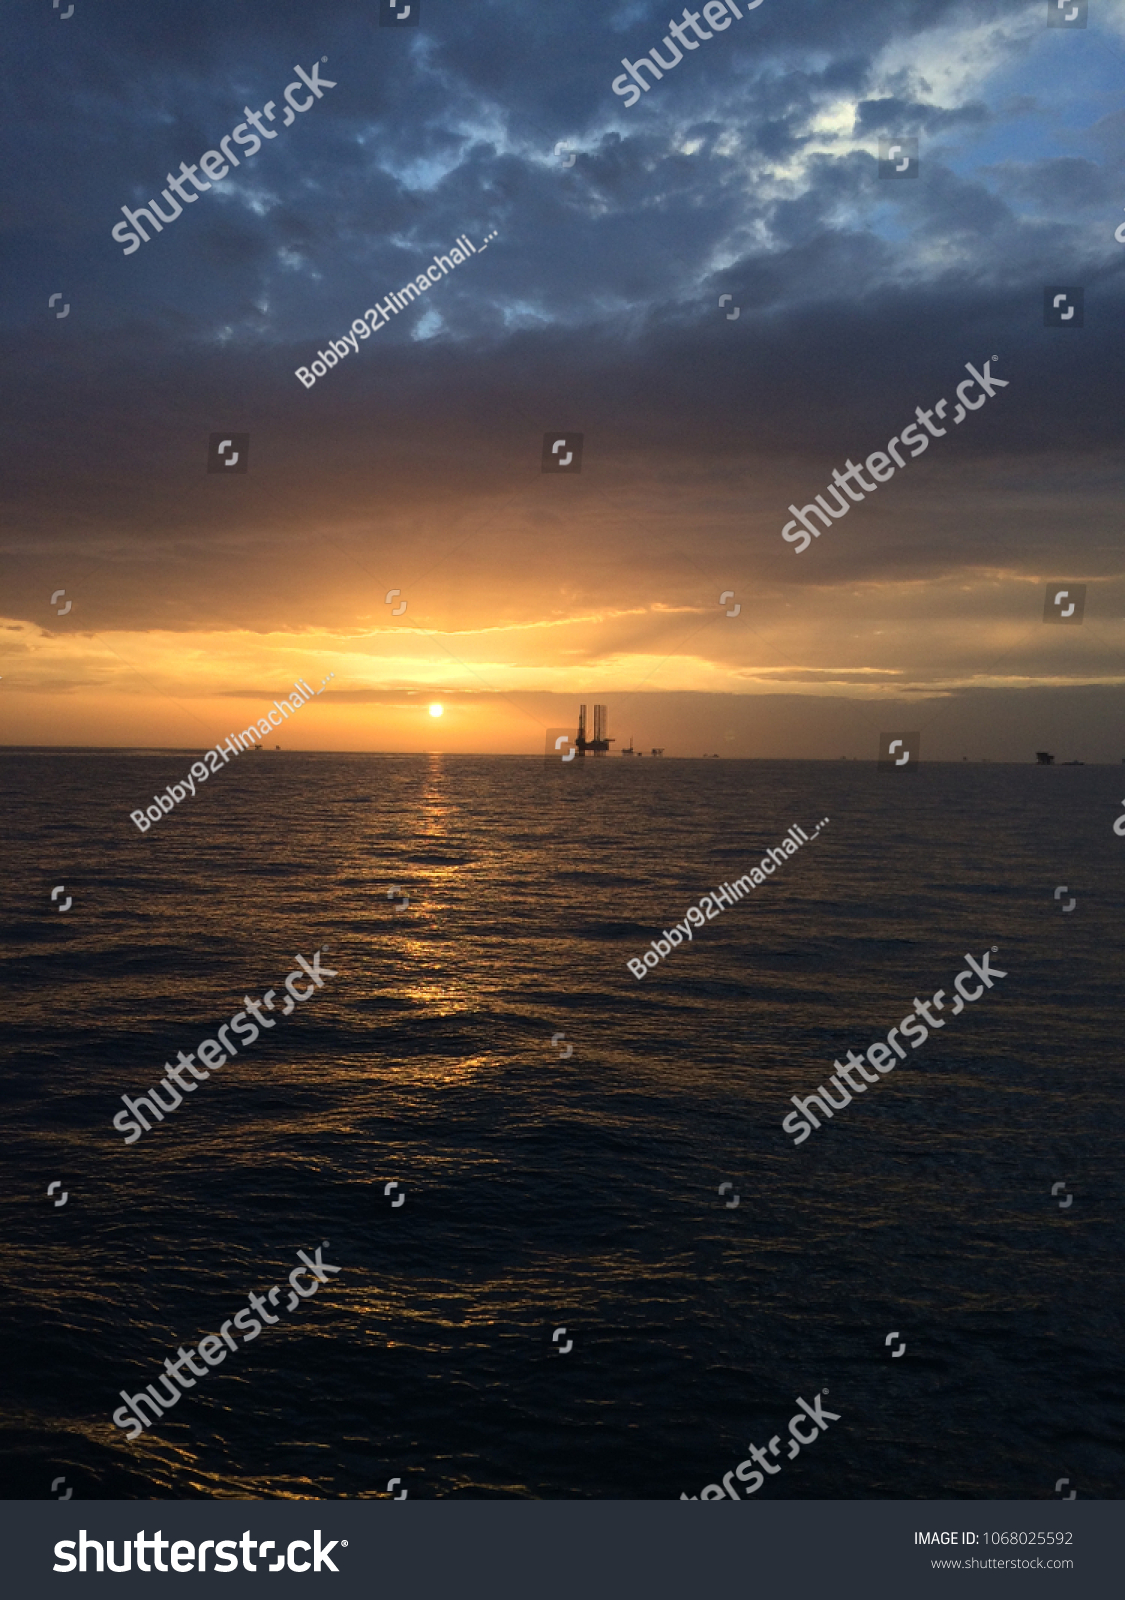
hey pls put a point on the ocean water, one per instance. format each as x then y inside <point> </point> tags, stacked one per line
<point>546,1191</point>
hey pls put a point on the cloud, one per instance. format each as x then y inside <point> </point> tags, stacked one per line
<point>892,115</point>
<point>750,170</point>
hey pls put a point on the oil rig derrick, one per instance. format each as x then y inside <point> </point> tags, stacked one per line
<point>601,742</point>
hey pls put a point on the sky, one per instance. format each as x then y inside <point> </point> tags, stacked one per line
<point>613,230</point>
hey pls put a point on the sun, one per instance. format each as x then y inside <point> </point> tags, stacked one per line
<point>436,710</point>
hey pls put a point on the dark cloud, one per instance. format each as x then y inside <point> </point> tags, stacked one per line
<point>891,115</point>
<point>750,171</point>
<point>1065,184</point>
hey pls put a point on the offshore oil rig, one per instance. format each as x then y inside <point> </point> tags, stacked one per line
<point>600,743</point>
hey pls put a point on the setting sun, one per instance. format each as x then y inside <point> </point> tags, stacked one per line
<point>436,710</point>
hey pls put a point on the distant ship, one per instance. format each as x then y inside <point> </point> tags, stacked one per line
<point>627,750</point>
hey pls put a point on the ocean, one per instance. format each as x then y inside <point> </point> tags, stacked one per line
<point>547,1191</point>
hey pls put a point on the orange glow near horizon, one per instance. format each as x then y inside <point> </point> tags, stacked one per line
<point>507,681</point>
